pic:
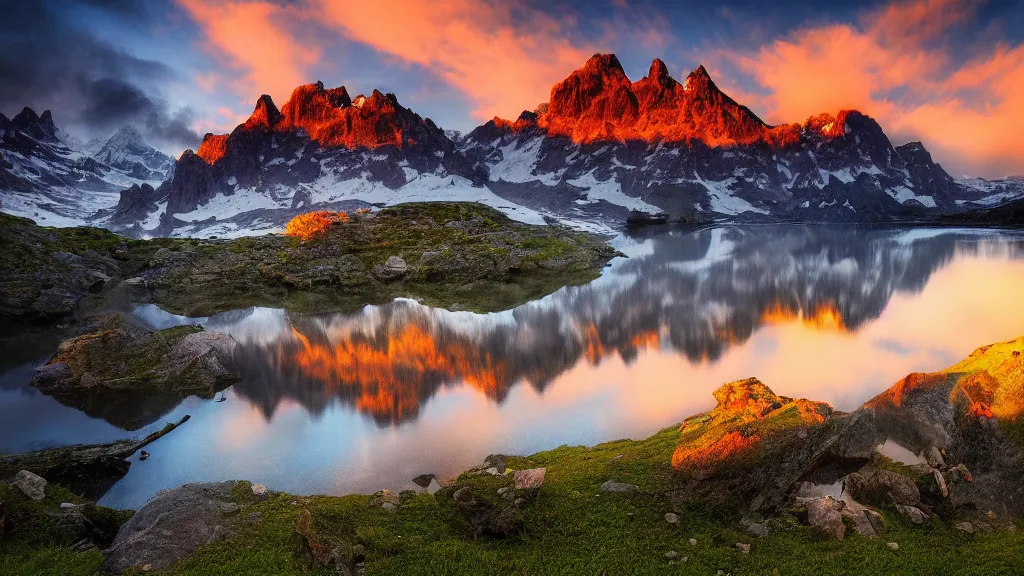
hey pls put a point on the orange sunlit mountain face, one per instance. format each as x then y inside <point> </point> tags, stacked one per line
<point>312,224</point>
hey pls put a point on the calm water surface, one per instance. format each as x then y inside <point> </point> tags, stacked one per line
<point>358,402</point>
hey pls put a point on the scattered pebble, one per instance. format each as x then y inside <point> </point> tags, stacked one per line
<point>671,518</point>
<point>693,541</point>
<point>965,527</point>
<point>893,546</point>
<point>745,548</point>
<point>671,555</point>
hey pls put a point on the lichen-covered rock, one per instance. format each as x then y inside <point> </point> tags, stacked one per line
<point>124,354</point>
<point>617,487</point>
<point>826,515</point>
<point>172,526</point>
<point>753,442</point>
<point>48,272</point>
<point>31,485</point>
<point>529,479</point>
<point>484,262</point>
<point>883,487</point>
<point>393,268</point>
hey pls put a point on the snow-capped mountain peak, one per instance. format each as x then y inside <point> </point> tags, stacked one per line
<point>127,150</point>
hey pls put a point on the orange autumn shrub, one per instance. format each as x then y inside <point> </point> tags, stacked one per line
<point>310,224</point>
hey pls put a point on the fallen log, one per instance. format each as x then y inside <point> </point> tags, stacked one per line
<point>89,470</point>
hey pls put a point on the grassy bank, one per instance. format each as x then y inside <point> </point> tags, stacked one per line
<point>571,528</point>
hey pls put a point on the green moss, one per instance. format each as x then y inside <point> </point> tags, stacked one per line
<point>572,529</point>
<point>480,260</point>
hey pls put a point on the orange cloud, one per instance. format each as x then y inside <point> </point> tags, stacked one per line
<point>893,65</point>
<point>503,63</point>
<point>254,39</point>
<point>978,119</point>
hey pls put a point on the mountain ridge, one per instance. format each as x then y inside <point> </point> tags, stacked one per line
<point>601,147</point>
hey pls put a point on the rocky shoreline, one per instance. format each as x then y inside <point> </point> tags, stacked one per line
<point>448,254</point>
<point>933,462</point>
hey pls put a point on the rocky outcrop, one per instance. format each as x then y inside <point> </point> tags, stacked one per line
<point>172,526</point>
<point>135,204</point>
<point>458,250</point>
<point>48,272</point>
<point>760,447</point>
<point>754,444</point>
<point>122,354</point>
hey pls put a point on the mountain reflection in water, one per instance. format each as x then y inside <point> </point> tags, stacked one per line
<point>697,294</point>
<point>335,403</point>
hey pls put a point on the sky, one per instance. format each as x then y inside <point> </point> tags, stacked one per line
<point>949,73</point>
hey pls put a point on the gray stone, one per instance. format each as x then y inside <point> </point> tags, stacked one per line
<point>933,456</point>
<point>394,268</point>
<point>530,479</point>
<point>940,482</point>
<point>671,518</point>
<point>388,506</point>
<point>757,530</point>
<point>914,514</point>
<point>260,492</point>
<point>965,527</point>
<point>671,555</point>
<point>826,515</point>
<point>170,527</point>
<point>385,497</point>
<point>618,487</point>
<point>205,356</point>
<point>464,494</point>
<point>31,485</point>
<point>505,491</point>
<point>883,487</point>
<point>55,376</point>
<point>693,541</point>
<point>519,502</point>
<point>893,546</point>
<point>744,548</point>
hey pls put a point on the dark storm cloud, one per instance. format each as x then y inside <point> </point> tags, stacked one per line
<point>46,63</point>
<point>110,103</point>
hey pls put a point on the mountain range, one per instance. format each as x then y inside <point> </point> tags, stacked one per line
<point>50,177</point>
<point>601,147</point>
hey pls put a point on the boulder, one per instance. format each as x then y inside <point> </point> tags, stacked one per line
<point>940,483</point>
<point>172,526</point>
<point>933,456</point>
<point>912,513</point>
<point>123,354</point>
<point>385,497</point>
<point>260,492</point>
<point>392,269</point>
<point>617,487</point>
<point>529,479</point>
<point>496,461</point>
<point>31,485</point>
<point>826,515</point>
<point>883,487</point>
<point>965,527</point>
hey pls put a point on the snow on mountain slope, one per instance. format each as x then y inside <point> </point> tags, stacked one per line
<point>43,178</point>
